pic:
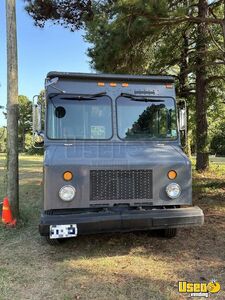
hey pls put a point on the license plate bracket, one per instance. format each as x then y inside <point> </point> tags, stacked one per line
<point>63,231</point>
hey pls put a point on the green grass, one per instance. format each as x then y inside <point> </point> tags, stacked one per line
<point>112,266</point>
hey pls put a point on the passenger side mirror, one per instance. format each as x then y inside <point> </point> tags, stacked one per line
<point>38,135</point>
<point>182,120</point>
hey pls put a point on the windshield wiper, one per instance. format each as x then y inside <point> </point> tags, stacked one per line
<point>80,96</point>
<point>140,98</point>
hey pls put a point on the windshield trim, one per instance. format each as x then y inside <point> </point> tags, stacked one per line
<point>88,140</point>
<point>150,139</point>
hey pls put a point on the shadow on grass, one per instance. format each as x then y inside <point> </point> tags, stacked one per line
<point>29,164</point>
<point>116,283</point>
<point>134,285</point>
<point>142,260</point>
<point>189,241</point>
<point>209,183</point>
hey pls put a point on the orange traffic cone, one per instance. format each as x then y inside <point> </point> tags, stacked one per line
<point>7,214</point>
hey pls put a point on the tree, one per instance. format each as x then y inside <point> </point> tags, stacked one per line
<point>137,38</point>
<point>25,124</point>
<point>12,109</point>
<point>2,139</point>
<point>202,160</point>
<point>70,13</point>
<point>218,141</point>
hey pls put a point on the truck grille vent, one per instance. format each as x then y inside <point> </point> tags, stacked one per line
<point>120,184</point>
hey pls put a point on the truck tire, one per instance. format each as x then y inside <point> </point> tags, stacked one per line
<point>170,232</point>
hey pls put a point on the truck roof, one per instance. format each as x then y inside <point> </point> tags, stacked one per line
<point>72,75</point>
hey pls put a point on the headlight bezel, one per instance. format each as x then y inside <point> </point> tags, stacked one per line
<point>169,187</point>
<point>68,198</point>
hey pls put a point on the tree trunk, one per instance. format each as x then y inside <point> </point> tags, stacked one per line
<point>202,161</point>
<point>223,24</point>
<point>12,109</point>
<point>189,134</point>
<point>183,76</point>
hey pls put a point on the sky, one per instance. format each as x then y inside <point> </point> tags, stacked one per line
<point>52,48</point>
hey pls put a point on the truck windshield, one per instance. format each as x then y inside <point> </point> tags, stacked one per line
<point>80,118</point>
<point>140,118</point>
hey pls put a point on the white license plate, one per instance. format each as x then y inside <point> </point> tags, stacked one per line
<point>63,231</point>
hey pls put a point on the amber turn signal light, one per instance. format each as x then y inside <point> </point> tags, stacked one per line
<point>172,174</point>
<point>169,85</point>
<point>68,176</point>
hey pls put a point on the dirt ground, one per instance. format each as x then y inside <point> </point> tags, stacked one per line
<point>114,266</point>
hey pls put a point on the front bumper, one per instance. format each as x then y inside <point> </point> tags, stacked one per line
<point>124,220</point>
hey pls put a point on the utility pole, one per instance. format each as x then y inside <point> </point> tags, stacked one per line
<point>12,109</point>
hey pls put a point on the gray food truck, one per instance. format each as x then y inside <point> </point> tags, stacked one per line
<point>113,158</point>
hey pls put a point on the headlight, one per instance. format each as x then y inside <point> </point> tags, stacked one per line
<point>173,190</point>
<point>67,193</point>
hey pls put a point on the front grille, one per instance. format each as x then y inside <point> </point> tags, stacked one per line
<point>120,184</point>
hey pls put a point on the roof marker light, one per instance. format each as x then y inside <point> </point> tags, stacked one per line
<point>169,85</point>
<point>101,84</point>
<point>113,84</point>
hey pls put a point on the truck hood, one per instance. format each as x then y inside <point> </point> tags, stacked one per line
<point>113,154</point>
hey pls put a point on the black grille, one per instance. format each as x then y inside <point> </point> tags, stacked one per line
<point>120,184</point>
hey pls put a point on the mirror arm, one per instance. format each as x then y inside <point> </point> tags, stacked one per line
<point>37,125</point>
<point>185,130</point>
<point>183,106</point>
<point>39,119</point>
<point>34,115</point>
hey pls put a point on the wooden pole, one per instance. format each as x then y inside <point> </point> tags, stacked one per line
<point>12,109</point>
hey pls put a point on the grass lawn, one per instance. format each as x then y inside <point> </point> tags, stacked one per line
<point>113,266</point>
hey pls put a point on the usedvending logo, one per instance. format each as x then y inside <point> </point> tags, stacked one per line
<point>199,289</point>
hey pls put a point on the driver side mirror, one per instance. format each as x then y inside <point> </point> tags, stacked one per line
<point>38,138</point>
<point>182,119</point>
<point>38,135</point>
